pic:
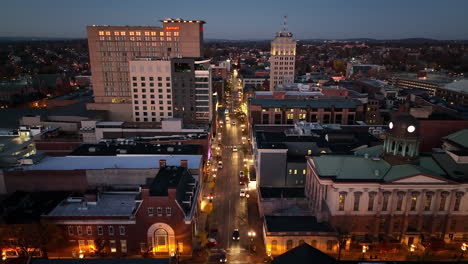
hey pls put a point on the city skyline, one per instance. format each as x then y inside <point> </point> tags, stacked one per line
<point>248,21</point>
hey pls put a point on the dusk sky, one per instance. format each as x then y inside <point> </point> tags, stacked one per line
<point>240,19</point>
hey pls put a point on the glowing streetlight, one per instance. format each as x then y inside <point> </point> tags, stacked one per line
<point>412,248</point>
<point>364,249</point>
<point>81,254</point>
<point>463,248</point>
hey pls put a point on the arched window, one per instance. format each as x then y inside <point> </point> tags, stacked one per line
<point>274,245</point>
<point>289,244</point>
<point>161,240</point>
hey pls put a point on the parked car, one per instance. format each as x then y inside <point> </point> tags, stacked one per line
<point>212,238</point>
<point>220,164</point>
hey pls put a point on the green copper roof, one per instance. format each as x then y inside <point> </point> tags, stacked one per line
<point>357,167</point>
<point>315,103</point>
<point>460,138</point>
<point>374,151</point>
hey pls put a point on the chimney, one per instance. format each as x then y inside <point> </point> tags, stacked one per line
<point>184,163</point>
<point>162,163</point>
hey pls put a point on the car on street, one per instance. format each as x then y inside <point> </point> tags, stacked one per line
<point>233,123</point>
<point>235,234</point>
<point>223,256</point>
<point>220,164</point>
<point>212,238</point>
<point>210,197</point>
<point>234,148</point>
<point>242,193</point>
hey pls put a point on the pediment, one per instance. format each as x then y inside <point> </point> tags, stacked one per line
<point>424,179</point>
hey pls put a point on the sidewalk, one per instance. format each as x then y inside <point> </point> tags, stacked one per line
<point>256,223</point>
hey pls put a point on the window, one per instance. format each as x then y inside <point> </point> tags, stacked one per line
<point>123,246</point>
<point>111,230</point>
<point>289,244</point>
<point>274,245</point>
<point>341,201</point>
<point>70,230</point>
<point>386,196</point>
<point>414,200</point>
<point>168,211</point>
<point>100,230</point>
<point>295,171</point>
<point>122,230</point>
<point>290,171</point>
<point>400,201</point>
<point>357,198</point>
<point>82,245</point>
<point>91,245</point>
<point>428,202</point>
<point>458,196</point>
<point>150,211</point>
<point>443,200</point>
<point>304,171</point>
<point>309,152</point>
<point>329,244</point>
<point>159,211</point>
<point>370,205</point>
<point>112,245</point>
<point>89,231</point>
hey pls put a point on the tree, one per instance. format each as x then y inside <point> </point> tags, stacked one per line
<point>31,238</point>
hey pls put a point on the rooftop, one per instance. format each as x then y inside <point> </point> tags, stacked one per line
<point>456,171</point>
<point>301,224</point>
<point>459,86</point>
<point>304,254</point>
<point>358,167</point>
<point>460,138</point>
<point>438,78</point>
<point>273,192</point>
<point>315,103</point>
<point>113,162</point>
<point>108,204</point>
<point>135,149</point>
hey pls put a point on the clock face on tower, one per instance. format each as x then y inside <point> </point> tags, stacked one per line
<point>390,125</point>
<point>411,129</point>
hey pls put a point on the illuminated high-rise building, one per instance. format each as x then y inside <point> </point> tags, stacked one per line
<point>282,58</point>
<point>112,47</point>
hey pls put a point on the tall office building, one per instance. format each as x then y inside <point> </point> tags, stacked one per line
<point>112,47</point>
<point>282,58</point>
<point>177,87</point>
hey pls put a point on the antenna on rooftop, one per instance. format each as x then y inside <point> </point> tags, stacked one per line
<point>285,23</point>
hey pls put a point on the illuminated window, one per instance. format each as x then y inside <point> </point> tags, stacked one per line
<point>302,116</point>
<point>274,245</point>
<point>101,33</point>
<point>290,116</point>
<point>147,33</point>
<point>123,246</point>
<point>309,152</point>
<point>176,34</point>
<point>138,33</point>
<point>101,38</point>
<point>112,245</point>
<point>304,171</point>
<point>132,38</point>
<point>414,201</point>
<point>153,33</point>
<point>161,38</point>
<point>169,39</point>
<point>122,33</point>
<point>341,201</point>
<point>290,171</point>
<point>295,171</point>
<point>107,33</point>
<point>168,33</point>
<point>132,33</point>
<point>116,33</point>
<point>161,33</point>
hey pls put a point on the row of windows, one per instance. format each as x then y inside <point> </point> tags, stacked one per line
<point>150,78</point>
<point>283,73</point>
<point>142,84</point>
<point>135,90</point>
<point>159,211</point>
<point>302,110</point>
<point>137,33</point>
<point>136,102</point>
<point>399,204</point>
<point>290,244</point>
<point>143,96</point>
<point>153,113</point>
<point>291,171</point>
<point>102,38</point>
<point>112,245</point>
<point>283,68</point>
<point>285,63</point>
<point>99,230</point>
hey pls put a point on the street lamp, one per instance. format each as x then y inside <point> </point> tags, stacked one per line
<point>412,248</point>
<point>463,248</point>
<point>81,255</point>
<point>364,250</point>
